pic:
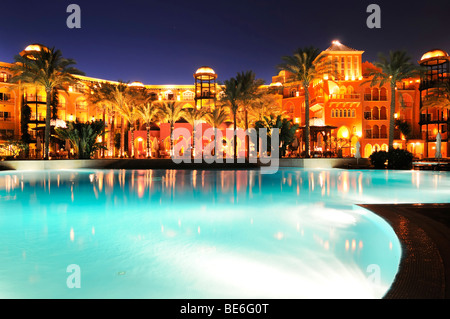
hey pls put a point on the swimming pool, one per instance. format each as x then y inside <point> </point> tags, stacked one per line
<point>203,234</point>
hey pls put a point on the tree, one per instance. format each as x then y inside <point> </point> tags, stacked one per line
<point>306,66</point>
<point>438,97</point>
<point>47,68</point>
<point>171,112</point>
<point>264,105</point>
<point>192,116</point>
<point>148,112</point>
<point>100,96</point>
<point>83,137</point>
<point>391,70</point>
<point>286,130</point>
<point>232,93</point>
<point>120,97</point>
<point>249,91</point>
<point>215,118</point>
<point>129,113</point>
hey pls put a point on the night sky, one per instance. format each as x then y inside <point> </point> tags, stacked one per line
<point>164,42</point>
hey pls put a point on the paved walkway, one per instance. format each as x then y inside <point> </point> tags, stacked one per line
<point>424,231</point>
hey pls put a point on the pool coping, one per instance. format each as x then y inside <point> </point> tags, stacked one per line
<point>424,233</point>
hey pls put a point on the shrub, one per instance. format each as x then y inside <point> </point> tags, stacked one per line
<point>378,159</point>
<point>396,159</point>
<point>400,159</point>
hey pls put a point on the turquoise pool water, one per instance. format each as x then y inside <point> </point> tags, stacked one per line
<point>203,234</point>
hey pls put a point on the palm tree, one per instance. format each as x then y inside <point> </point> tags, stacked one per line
<point>120,98</point>
<point>171,112</point>
<point>83,137</point>
<point>390,70</point>
<point>192,115</point>
<point>306,65</point>
<point>215,118</point>
<point>249,91</point>
<point>99,95</point>
<point>47,68</point>
<point>265,105</point>
<point>438,97</point>
<point>232,93</point>
<point>128,111</point>
<point>148,112</point>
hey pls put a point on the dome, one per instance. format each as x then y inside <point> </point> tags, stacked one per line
<point>136,84</point>
<point>434,57</point>
<point>35,47</point>
<point>205,73</point>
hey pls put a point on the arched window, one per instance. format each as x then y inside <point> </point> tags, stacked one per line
<point>368,150</point>
<point>342,90</point>
<point>383,131</point>
<point>375,113</point>
<point>383,94</point>
<point>367,94</point>
<point>332,113</point>
<point>353,113</point>
<point>340,113</point>
<point>345,113</point>
<point>292,92</point>
<point>367,113</point>
<point>81,103</point>
<point>188,95</point>
<point>61,101</point>
<point>4,77</point>
<point>383,115</point>
<point>368,131</point>
<point>376,131</point>
<point>375,94</point>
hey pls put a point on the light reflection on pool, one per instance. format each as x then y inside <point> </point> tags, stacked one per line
<point>203,234</point>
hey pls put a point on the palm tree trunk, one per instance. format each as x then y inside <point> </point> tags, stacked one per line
<point>111,135</point>
<point>234,136</point>
<point>391,117</point>
<point>171,151</point>
<point>47,125</point>
<point>122,138</point>
<point>133,155</point>
<point>103,135</point>
<point>307,133</point>
<point>246,136</point>
<point>149,154</point>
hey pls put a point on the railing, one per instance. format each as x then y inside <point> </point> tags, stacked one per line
<point>345,96</point>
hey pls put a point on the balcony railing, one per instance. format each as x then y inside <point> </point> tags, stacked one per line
<point>345,96</point>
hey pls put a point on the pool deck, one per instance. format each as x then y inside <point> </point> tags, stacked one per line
<point>424,232</point>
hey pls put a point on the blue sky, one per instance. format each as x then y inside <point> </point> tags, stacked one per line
<point>164,42</point>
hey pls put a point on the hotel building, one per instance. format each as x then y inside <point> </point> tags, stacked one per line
<point>343,110</point>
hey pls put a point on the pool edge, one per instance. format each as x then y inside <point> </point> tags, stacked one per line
<point>424,233</point>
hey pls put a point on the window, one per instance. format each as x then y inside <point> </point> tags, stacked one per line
<point>5,116</point>
<point>375,94</point>
<point>383,115</point>
<point>367,95</point>
<point>383,131</point>
<point>345,113</point>
<point>383,94</point>
<point>340,113</point>
<point>343,67</point>
<point>6,134</point>
<point>368,132</point>
<point>4,97</point>
<point>375,113</point>
<point>188,95</point>
<point>4,77</point>
<point>353,113</point>
<point>376,131</point>
<point>332,113</point>
<point>367,113</point>
<point>292,93</point>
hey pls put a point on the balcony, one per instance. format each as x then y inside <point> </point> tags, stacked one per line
<point>345,96</point>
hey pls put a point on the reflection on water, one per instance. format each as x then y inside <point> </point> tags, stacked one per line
<point>293,234</point>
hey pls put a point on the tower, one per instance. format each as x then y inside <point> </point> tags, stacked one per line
<point>205,87</point>
<point>433,120</point>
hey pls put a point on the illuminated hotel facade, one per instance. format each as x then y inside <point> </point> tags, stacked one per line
<point>343,111</point>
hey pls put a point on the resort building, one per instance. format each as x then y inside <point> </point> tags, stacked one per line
<point>344,109</point>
